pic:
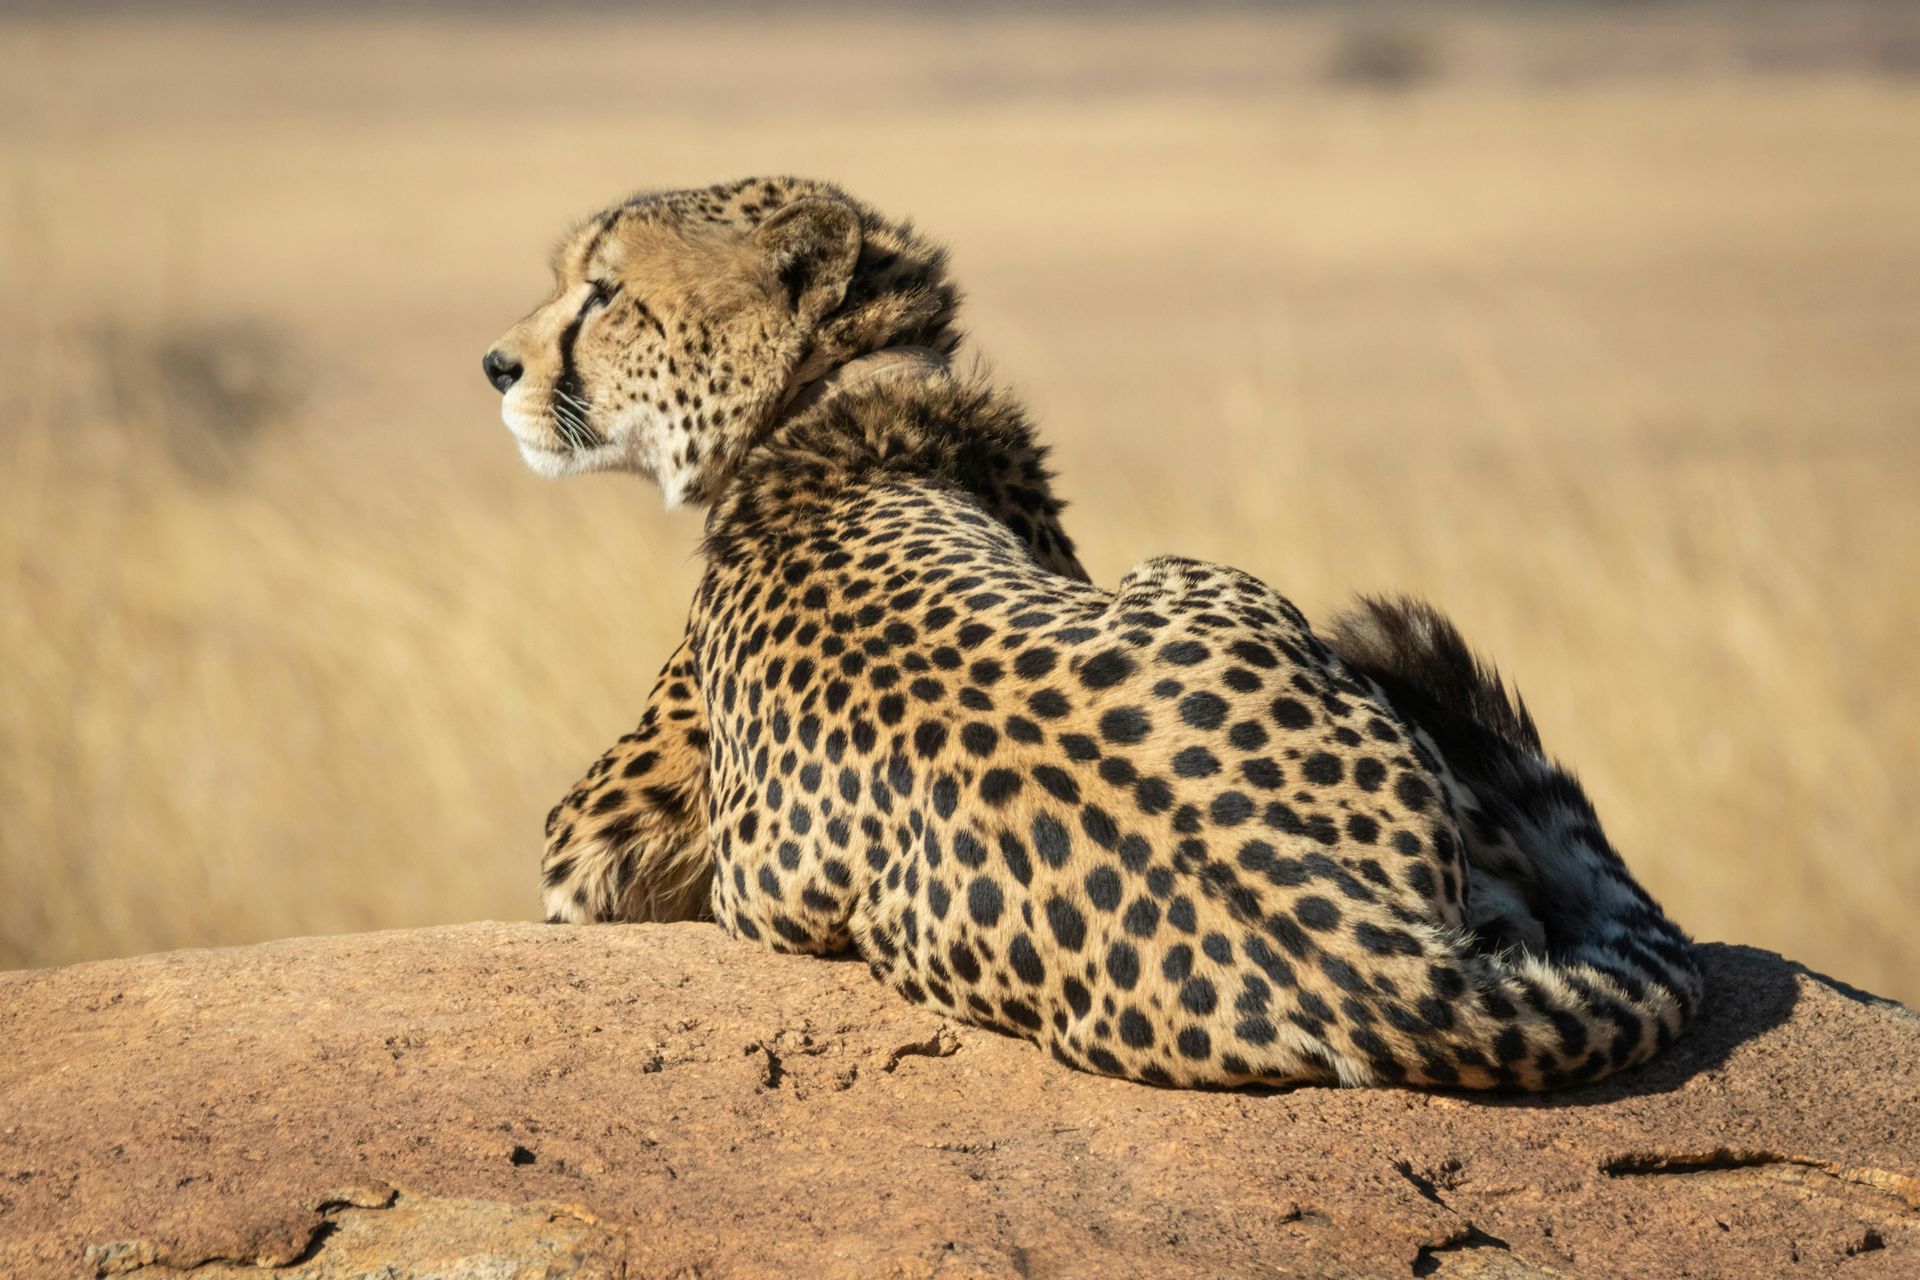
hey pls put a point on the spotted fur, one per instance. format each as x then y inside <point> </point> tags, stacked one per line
<point>1166,831</point>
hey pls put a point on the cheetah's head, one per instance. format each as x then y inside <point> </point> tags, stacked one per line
<point>681,324</point>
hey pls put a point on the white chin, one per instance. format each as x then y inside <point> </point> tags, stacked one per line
<point>551,463</point>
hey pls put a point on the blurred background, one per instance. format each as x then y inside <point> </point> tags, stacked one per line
<point>1598,324</point>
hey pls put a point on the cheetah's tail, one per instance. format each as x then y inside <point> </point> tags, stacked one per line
<point>1580,970</point>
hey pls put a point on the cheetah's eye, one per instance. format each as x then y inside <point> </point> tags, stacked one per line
<point>602,294</point>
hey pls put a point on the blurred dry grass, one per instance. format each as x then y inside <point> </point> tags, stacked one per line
<point>1603,335</point>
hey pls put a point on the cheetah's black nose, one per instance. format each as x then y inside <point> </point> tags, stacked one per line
<point>501,372</point>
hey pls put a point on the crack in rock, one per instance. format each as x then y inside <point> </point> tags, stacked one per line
<point>123,1257</point>
<point>1634,1164</point>
<point>371,1195</point>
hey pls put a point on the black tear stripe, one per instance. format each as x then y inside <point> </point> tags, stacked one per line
<point>569,392</point>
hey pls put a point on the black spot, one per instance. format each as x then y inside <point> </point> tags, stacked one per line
<point>1255,1031</point>
<point>1289,935</point>
<point>1195,762</point>
<point>1050,840</point>
<point>1014,854</point>
<point>1079,747</point>
<point>1203,710</point>
<point>1106,669</point>
<point>984,902</point>
<point>1317,913</point>
<point>1230,809</point>
<point>997,786</point>
<point>1143,918</point>
<point>1026,961</point>
<point>1021,1012</point>
<point>1385,942</point>
<point>1421,879</point>
<point>928,738</point>
<point>1035,663</point>
<point>1178,963</point>
<point>1184,653</point>
<point>1448,981</point>
<point>1099,826</point>
<point>1103,888</point>
<point>1068,925</point>
<point>1198,996</point>
<point>1247,736</point>
<point>1125,725</point>
<point>1058,783</point>
<point>1322,769</point>
<point>964,962</point>
<point>1123,965</point>
<point>1195,1043</point>
<point>1254,655</point>
<point>1048,704</point>
<point>1342,974</point>
<point>968,849</point>
<point>1291,714</point>
<point>946,795</point>
<point>1262,772</point>
<point>1153,795</point>
<point>1135,1031</point>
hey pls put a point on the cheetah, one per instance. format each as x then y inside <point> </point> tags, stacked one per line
<point>1168,832</point>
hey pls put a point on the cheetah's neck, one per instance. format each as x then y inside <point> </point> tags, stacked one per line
<point>898,412</point>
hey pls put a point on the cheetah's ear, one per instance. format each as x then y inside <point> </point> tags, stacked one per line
<point>812,245</point>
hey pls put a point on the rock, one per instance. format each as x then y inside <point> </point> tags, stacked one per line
<point>531,1101</point>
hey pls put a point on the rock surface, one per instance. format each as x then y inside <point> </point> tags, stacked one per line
<point>510,1101</point>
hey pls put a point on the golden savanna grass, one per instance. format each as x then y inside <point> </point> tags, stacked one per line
<point>1603,332</point>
